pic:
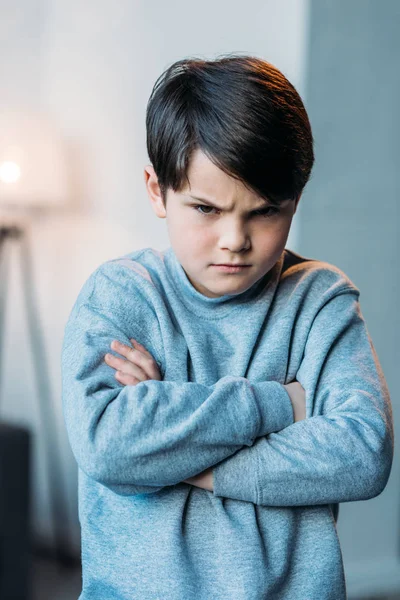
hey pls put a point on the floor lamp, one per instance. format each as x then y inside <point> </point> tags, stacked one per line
<point>32,177</point>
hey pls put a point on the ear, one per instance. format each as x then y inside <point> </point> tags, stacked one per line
<point>154,192</point>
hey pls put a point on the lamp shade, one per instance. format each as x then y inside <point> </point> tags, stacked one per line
<point>33,169</point>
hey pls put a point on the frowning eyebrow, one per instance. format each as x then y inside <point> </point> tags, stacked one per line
<point>264,204</point>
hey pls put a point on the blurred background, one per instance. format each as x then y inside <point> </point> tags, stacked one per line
<point>75,78</point>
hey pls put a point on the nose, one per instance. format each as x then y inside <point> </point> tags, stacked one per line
<point>234,238</point>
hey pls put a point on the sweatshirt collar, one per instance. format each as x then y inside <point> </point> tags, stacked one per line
<point>206,307</point>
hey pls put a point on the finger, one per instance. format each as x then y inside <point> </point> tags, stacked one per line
<point>131,354</point>
<point>154,368</point>
<point>120,347</point>
<point>140,347</point>
<point>143,359</point>
<point>125,366</point>
<point>139,356</point>
<point>127,350</point>
<point>134,354</point>
<point>126,379</point>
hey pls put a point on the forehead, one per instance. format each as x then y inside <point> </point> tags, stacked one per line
<point>209,180</point>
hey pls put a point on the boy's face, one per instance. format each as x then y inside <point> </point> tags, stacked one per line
<point>230,233</point>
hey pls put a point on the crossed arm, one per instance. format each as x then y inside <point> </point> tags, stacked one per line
<point>111,428</point>
<point>238,432</point>
<point>139,365</point>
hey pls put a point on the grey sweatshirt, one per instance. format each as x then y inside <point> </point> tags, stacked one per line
<point>268,530</point>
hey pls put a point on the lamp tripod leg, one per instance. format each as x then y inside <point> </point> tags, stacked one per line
<point>46,410</point>
<point>3,289</point>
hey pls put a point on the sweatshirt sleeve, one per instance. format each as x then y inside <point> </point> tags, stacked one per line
<point>343,450</point>
<point>137,439</point>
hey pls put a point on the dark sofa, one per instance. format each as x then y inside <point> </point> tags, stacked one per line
<point>15,445</point>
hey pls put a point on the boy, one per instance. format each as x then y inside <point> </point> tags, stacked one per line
<point>219,415</point>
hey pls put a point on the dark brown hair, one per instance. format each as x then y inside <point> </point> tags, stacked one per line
<point>242,113</point>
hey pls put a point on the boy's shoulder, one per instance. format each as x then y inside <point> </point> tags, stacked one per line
<point>114,282</point>
<point>140,264</point>
<point>306,272</point>
<point>139,261</point>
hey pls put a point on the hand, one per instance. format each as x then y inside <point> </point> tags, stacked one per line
<point>297,396</point>
<point>203,480</point>
<point>138,365</point>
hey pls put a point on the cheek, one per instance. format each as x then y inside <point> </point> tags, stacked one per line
<point>271,242</point>
<point>281,230</point>
<point>190,236</point>
<point>198,236</point>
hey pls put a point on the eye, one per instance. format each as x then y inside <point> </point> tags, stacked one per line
<point>203,206</point>
<point>269,211</point>
<point>265,211</point>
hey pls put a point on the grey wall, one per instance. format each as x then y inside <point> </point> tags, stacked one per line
<point>349,216</point>
<point>21,29</point>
